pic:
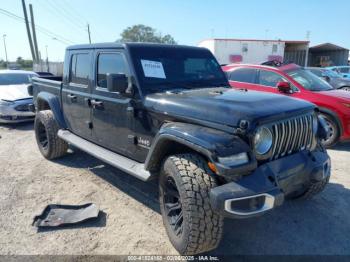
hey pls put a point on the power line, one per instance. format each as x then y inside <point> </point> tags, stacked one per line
<point>54,9</point>
<point>41,29</point>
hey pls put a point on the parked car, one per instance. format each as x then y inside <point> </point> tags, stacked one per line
<point>333,78</point>
<point>295,81</point>
<point>168,113</point>
<point>14,97</point>
<point>342,70</point>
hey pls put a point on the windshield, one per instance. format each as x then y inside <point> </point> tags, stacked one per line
<point>331,74</point>
<point>309,80</point>
<point>15,79</point>
<point>164,68</point>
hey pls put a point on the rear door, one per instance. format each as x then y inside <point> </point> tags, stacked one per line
<point>111,126</point>
<point>242,77</point>
<point>76,93</point>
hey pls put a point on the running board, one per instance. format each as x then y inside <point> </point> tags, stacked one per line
<point>121,162</point>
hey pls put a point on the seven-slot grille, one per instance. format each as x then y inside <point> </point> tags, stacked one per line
<point>292,135</point>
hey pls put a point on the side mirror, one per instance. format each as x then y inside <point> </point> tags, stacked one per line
<point>284,87</point>
<point>117,83</point>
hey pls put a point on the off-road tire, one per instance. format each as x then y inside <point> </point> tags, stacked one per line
<point>313,189</point>
<point>45,125</point>
<point>202,227</point>
<point>334,128</point>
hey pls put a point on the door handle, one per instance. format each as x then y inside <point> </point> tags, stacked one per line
<point>72,97</point>
<point>96,104</point>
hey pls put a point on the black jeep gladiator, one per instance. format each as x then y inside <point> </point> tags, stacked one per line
<point>167,112</point>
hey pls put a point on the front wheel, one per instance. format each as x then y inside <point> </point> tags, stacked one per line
<point>191,224</point>
<point>334,132</point>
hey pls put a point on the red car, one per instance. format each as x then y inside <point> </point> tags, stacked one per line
<point>295,81</point>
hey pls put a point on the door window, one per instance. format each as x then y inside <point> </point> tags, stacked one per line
<point>268,78</point>
<point>112,63</point>
<point>344,70</point>
<point>245,75</point>
<point>80,67</point>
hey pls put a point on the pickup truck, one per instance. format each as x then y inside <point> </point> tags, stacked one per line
<point>167,112</point>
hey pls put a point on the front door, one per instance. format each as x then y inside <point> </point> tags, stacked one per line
<point>111,124</point>
<point>76,93</point>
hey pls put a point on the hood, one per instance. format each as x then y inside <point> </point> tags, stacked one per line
<point>226,106</point>
<point>13,92</point>
<point>342,94</point>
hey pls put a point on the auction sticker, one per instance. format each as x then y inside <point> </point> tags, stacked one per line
<point>153,69</point>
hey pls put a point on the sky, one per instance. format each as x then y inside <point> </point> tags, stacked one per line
<point>63,22</point>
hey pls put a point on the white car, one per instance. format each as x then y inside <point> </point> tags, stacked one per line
<point>14,97</point>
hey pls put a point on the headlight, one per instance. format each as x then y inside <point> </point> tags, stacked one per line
<point>234,160</point>
<point>5,103</point>
<point>263,140</point>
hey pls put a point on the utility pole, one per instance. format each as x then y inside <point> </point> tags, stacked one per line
<point>47,60</point>
<point>88,29</point>
<point>308,33</point>
<point>28,30</point>
<point>7,61</point>
<point>36,51</point>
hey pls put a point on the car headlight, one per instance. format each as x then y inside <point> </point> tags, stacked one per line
<point>234,160</point>
<point>263,141</point>
<point>5,103</point>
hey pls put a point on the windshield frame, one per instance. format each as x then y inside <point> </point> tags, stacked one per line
<point>310,76</point>
<point>136,54</point>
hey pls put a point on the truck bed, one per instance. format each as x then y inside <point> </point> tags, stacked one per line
<point>50,84</point>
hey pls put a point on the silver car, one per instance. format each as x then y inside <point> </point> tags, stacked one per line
<point>14,97</point>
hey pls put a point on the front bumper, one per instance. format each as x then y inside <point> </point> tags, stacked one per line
<point>16,112</point>
<point>268,186</point>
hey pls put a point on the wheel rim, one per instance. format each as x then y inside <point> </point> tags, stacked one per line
<point>42,136</point>
<point>173,206</point>
<point>331,133</point>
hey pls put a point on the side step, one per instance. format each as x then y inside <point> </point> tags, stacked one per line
<point>127,165</point>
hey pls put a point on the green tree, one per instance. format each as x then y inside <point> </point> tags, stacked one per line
<point>24,63</point>
<point>142,33</point>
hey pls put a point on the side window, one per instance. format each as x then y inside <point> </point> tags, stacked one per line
<point>245,75</point>
<point>268,78</point>
<point>112,63</point>
<point>80,67</point>
<point>344,70</point>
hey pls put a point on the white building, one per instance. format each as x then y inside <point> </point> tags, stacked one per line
<point>229,51</point>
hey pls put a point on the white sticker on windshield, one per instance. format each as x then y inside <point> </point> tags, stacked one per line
<point>153,69</point>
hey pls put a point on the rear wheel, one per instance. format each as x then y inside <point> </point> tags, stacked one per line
<point>189,220</point>
<point>46,128</point>
<point>334,132</point>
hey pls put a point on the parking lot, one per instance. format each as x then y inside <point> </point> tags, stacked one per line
<point>131,222</point>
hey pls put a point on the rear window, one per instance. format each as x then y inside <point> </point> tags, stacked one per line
<point>15,79</point>
<point>245,75</point>
<point>80,67</point>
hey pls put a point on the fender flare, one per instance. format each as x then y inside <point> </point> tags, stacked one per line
<point>55,106</point>
<point>208,142</point>
<point>334,115</point>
